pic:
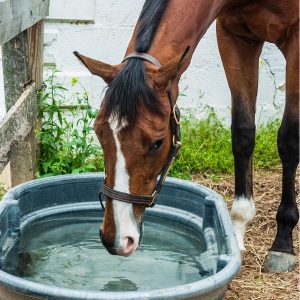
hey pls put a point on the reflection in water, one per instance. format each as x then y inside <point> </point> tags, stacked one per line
<point>122,284</point>
<point>66,252</point>
<point>25,262</point>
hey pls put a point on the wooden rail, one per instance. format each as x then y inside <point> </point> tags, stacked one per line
<point>21,38</point>
<point>17,123</point>
<point>19,15</point>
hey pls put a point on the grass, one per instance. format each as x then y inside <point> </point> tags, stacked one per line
<point>206,147</point>
<point>265,153</point>
<point>2,190</point>
<point>204,143</point>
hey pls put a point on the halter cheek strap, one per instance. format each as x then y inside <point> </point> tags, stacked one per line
<point>150,200</point>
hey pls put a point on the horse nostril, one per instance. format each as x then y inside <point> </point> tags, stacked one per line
<point>130,241</point>
<point>129,245</point>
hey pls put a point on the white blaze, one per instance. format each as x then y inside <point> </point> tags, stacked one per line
<point>125,222</point>
<point>242,212</point>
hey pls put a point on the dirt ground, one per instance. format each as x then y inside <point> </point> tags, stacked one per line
<point>254,282</point>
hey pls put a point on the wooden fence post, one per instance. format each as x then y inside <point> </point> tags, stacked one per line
<point>15,69</point>
<point>21,38</point>
<point>36,50</point>
<point>23,61</point>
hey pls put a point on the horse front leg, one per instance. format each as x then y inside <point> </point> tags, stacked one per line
<point>243,141</point>
<point>281,257</point>
<point>240,60</point>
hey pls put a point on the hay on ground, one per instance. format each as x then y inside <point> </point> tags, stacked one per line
<point>254,282</point>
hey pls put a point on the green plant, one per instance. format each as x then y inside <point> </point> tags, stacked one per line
<point>265,152</point>
<point>206,147</point>
<point>2,190</point>
<point>65,136</point>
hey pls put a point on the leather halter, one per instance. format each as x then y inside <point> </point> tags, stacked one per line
<point>145,56</point>
<point>150,200</point>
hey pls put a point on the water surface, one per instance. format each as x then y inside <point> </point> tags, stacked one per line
<point>65,251</point>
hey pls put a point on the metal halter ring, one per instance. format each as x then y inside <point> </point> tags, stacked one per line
<point>176,114</point>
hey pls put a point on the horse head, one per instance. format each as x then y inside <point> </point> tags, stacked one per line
<point>134,129</point>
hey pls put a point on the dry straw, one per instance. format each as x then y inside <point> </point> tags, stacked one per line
<point>253,281</point>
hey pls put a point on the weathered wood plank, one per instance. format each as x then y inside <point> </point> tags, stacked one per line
<point>23,160</point>
<point>23,60</point>
<point>16,74</point>
<point>36,51</point>
<point>17,123</point>
<point>17,16</point>
<point>15,68</point>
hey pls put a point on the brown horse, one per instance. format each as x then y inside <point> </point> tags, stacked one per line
<point>133,124</point>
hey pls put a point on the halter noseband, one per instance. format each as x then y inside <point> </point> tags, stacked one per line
<point>150,200</point>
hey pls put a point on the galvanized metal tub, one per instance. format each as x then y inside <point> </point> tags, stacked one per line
<point>200,208</point>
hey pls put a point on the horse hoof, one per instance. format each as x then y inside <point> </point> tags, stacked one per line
<point>278,262</point>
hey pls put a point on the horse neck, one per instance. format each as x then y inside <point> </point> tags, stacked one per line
<point>183,24</point>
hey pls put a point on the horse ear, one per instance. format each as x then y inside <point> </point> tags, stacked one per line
<point>170,70</point>
<point>105,71</point>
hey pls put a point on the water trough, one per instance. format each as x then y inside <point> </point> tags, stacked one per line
<point>203,258</point>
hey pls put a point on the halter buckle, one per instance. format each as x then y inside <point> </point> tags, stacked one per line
<point>175,141</point>
<point>175,107</point>
<point>154,196</point>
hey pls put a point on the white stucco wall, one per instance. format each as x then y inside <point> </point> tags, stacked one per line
<point>101,29</point>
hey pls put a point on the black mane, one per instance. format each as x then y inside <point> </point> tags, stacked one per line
<point>130,89</point>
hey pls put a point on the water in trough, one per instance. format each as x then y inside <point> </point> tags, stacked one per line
<point>65,251</point>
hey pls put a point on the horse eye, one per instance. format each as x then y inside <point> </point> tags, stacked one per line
<point>156,145</point>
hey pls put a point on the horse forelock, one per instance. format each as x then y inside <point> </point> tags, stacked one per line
<point>130,88</point>
<point>128,92</point>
